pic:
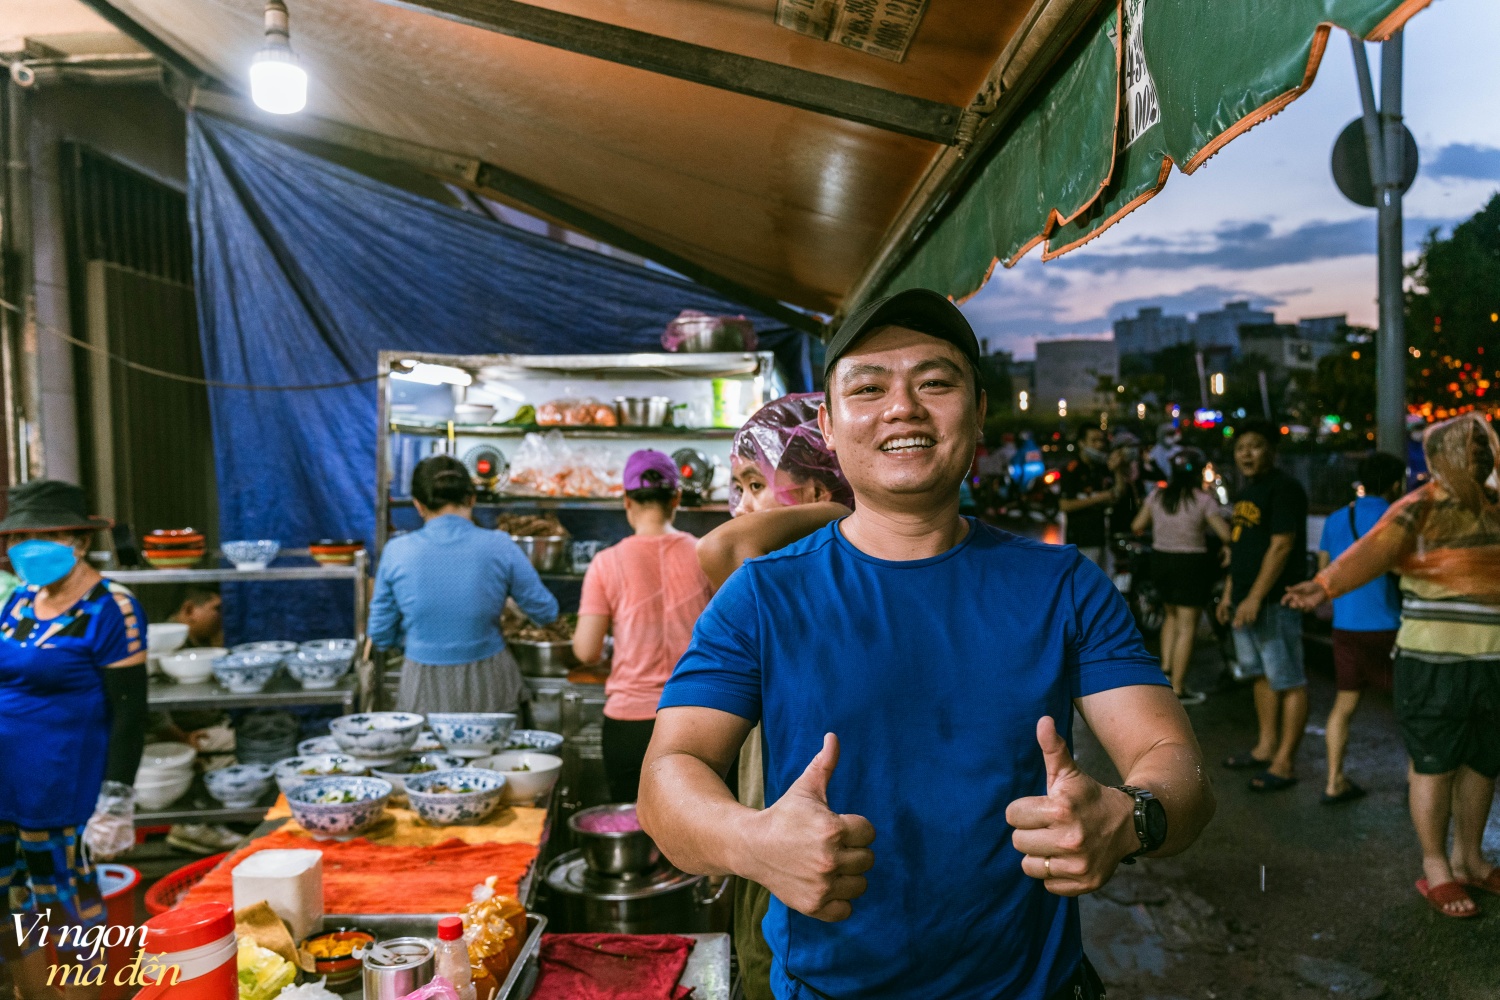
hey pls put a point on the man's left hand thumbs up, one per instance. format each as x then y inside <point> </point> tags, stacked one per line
<point>1074,836</point>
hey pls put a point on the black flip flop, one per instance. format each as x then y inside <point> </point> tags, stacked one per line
<point>1245,761</point>
<point>1349,794</point>
<point>1265,781</point>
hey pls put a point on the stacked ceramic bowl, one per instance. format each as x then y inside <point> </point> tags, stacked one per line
<point>377,738</point>
<point>247,673</point>
<point>173,548</point>
<point>322,663</point>
<point>238,786</point>
<point>165,775</point>
<point>191,666</point>
<point>163,640</point>
<point>472,734</point>
<point>294,772</point>
<point>334,551</point>
<point>265,738</point>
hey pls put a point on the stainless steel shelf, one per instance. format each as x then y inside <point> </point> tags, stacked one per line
<point>583,431</point>
<point>183,811</point>
<point>280,692</point>
<point>567,503</point>
<point>230,573</point>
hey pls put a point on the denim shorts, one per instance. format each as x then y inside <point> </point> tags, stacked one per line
<point>1272,648</point>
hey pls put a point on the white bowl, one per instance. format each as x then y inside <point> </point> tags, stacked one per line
<point>472,413</point>
<point>155,794</point>
<point>192,666</point>
<point>164,638</point>
<point>167,757</point>
<point>294,772</point>
<point>542,771</point>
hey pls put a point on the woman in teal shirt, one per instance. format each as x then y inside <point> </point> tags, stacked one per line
<point>439,592</point>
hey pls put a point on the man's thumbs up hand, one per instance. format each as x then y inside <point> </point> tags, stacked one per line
<point>1074,836</point>
<point>811,858</point>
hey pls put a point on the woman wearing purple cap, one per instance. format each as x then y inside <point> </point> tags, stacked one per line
<point>650,590</point>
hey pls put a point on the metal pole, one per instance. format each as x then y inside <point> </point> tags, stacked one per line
<point>1390,396</point>
<point>1265,394</point>
<point>27,389</point>
<point>1202,381</point>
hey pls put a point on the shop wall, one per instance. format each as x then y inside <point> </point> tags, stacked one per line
<point>136,125</point>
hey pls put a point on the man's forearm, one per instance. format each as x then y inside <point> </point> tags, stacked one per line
<point>1271,565</point>
<point>1173,772</point>
<point>688,811</point>
<point>725,549</point>
<point>1067,506</point>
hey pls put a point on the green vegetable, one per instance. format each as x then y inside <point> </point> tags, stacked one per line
<point>262,973</point>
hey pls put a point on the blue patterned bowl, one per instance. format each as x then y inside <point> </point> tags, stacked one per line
<point>414,764</point>
<point>344,647</point>
<point>376,734</point>
<point>294,772</point>
<point>247,673</point>
<point>282,647</point>
<point>251,555</point>
<point>472,734</point>
<point>239,786</point>
<point>534,739</point>
<point>338,807</point>
<point>460,796</point>
<point>316,671</point>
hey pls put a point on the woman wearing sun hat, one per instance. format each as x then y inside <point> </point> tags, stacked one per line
<point>72,710</point>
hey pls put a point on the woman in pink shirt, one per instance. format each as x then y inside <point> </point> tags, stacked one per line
<point>650,590</point>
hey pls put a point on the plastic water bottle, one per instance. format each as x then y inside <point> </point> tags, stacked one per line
<point>453,957</point>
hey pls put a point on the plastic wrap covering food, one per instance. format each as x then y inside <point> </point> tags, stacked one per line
<point>530,525</point>
<point>576,413</point>
<point>548,465</point>
<point>1447,533</point>
<point>783,439</point>
<point>706,329</point>
<point>494,931</point>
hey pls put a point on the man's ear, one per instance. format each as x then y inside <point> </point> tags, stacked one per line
<point>825,426</point>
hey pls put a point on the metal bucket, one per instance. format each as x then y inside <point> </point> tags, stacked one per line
<point>543,659</point>
<point>668,902</point>
<point>643,411</point>
<point>548,553</point>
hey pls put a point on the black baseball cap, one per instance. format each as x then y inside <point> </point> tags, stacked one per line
<point>919,309</point>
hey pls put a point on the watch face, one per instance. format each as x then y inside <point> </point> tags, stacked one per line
<point>1156,822</point>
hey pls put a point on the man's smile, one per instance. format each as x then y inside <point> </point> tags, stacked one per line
<point>908,445</point>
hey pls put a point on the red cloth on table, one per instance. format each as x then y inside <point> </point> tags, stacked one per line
<point>612,967</point>
<point>361,877</point>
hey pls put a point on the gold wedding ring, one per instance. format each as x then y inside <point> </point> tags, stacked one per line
<point>1047,867</point>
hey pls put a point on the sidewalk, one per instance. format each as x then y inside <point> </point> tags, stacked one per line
<point>1283,898</point>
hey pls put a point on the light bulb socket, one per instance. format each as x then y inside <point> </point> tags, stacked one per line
<point>278,24</point>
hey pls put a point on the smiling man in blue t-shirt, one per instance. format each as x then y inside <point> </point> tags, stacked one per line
<point>915,673</point>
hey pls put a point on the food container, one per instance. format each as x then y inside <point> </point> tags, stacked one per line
<point>706,334</point>
<point>199,940</point>
<point>294,772</point>
<point>528,774</point>
<point>238,786</point>
<point>338,807</point>
<point>412,966</point>
<point>247,673</point>
<point>661,901</point>
<point>333,953</point>
<point>644,411</point>
<point>472,734</point>
<point>548,553</point>
<point>291,883</point>
<point>613,850</point>
<point>334,551</point>
<point>473,413</point>
<point>479,792</point>
<point>386,736</point>
<point>543,659</point>
<point>414,764</point>
<point>192,666</point>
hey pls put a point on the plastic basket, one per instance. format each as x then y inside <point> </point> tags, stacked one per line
<point>169,889</point>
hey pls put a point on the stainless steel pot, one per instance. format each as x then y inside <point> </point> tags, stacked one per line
<point>548,553</point>
<point>627,852</point>
<point>708,335</point>
<point>543,659</point>
<point>643,411</point>
<point>413,968</point>
<point>666,901</point>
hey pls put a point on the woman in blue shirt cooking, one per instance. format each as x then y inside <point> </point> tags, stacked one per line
<point>915,673</point>
<point>72,714</point>
<point>440,591</point>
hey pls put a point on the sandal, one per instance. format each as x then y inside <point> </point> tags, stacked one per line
<point>1245,761</point>
<point>1265,781</point>
<point>1439,896</point>
<point>1349,794</point>
<point>1490,883</point>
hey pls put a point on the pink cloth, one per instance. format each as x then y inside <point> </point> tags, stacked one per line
<point>653,591</point>
<point>1182,531</point>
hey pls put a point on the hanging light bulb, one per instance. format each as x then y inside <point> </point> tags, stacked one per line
<point>278,83</point>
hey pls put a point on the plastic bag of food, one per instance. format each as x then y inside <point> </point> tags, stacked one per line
<point>716,331</point>
<point>438,989</point>
<point>779,453</point>
<point>111,829</point>
<point>309,991</point>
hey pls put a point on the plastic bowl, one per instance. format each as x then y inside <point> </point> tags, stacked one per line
<point>239,786</point>
<point>192,666</point>
<point>251,554</point>
<point>246,673</point>
<point>398,772</point>
<point>319,806</point>
<point>481,791</point>
<point>472,734</point>
<point>294,772</point>
<point>376,734</point>
<point>529,774</point>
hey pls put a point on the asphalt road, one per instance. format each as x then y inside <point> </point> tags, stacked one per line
<point>1283,898</point>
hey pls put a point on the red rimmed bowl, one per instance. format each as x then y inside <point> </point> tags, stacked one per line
<point>334,551</point>
<point>340,966</point>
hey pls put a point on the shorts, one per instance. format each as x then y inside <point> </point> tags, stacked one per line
<point>1363,659</point>
<point>44,872</point>
<point>1272,648</point>
<point>1183,579</point>
<point>1449,714</point>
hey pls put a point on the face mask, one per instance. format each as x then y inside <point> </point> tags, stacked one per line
<point>42,563</point>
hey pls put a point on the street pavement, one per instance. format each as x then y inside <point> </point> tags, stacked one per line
<point>1283,898</point>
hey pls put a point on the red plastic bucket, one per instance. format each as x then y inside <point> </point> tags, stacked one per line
<point>199,940</point>
<point>117,884</point>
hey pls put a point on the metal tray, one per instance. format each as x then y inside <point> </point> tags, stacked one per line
<point>518,982</point>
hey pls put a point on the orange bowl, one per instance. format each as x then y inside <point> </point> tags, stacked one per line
<point>174,558</point>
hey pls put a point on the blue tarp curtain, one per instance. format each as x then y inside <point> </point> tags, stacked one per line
<point>304,270</point>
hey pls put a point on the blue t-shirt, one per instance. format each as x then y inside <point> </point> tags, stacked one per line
<point>933,674</point>
<point>54,720</point>
<point>1375,607</point>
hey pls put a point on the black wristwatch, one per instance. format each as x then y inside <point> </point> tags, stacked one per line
<point>1150,822</point>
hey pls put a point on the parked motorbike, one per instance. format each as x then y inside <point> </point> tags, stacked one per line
<point>1132,565</point>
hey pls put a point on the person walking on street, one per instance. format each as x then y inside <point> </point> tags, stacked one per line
<point>926,824</point>
<point>649,589</point>
<point>1268,554</point>
<point>1088,491</point>
<point>1181,567</point>
<point>1365,619</point>
<point>1444,541</point>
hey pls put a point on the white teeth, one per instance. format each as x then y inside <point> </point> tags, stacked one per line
<point>908,444</point>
